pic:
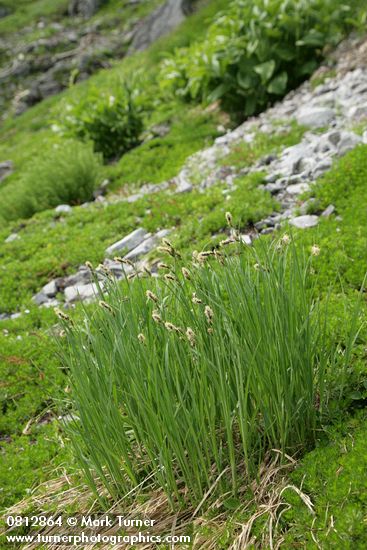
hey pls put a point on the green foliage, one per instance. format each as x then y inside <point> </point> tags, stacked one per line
<point>255,51</point>
<point>65,173</point>
<point>113,122</point>
<point>204,376</point>
<point>333,476</point>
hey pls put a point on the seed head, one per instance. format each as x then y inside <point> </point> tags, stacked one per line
<point>168,243</point>
<point>89,265</point>
<point>166,250</point>
<point>171,327</point>
<point>156,317</point>
<point>315,250</point>
<point>218,256</point>
<point>132,276</point>
<point>147,270</point>
<point>149,294</point>
<point>123,261</point>
<point>106,306</point>
<point>195,299</point>
<point>61,315</point>
<point>186,273</point>
<point>141,338</point>
<point>190,334</point>
<point>169,277</point>
<point>285,239</point>
<point>257,267</point>
<point>210,330</point>
<point>209,314</point>
<point>229,218</point>
<point>230,240</point>
<point>162,265</point>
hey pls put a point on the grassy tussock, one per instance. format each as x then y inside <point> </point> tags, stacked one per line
<point>191,381</point>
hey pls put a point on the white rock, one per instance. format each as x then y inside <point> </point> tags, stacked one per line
<point>304,222</point>
<point>81,292</point>
<point>50,289</point>
<point>12,237</point>
<point>315,117</point>
<point>245,239</point>
<point>129,242</point>
<point>364,137</point>
<point>328,211</point>
<point>63,209</point>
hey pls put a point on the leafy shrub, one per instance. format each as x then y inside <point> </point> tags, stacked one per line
<point>196,382</point>
<point>112,122</point>
<point>256,51</point>
<point>66,173</point>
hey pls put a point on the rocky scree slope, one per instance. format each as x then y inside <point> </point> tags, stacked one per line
<point>335,116</point>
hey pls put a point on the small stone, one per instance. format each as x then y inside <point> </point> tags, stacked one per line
<point>315,117</point>
<point>129,242</point>
<point>12,237</point>
<point>328,211</point>
<point>63,209</point>
<point>15,315</point>
<point>50,289</point>
<point>183,185</point>
<point>245,239</point>
<point>364,137</point>
<point>6,168</point>
<point>304,222</point>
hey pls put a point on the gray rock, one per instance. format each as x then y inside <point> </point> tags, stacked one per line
<point>364,137</point>
<point>50,290</point>
<point>15,315</point>
<point>322,167</point>
<point>129,242</point>
<point>12,237</point>
<point>143,248</point>
<point>182,184</point>
<point>315,117</point>
<point>297,188</point>
<point>82,276</point>
<point>358,111</point>
<point>160,22</point>
<point>328,211</point>
<point>40,298</point>
<point>348,141</point>
<point>50,303</point>
<point>304,222</point>
<point>81,292</point>
<point>274,188</point>
<point>63,209</point>
<point>6,168</point>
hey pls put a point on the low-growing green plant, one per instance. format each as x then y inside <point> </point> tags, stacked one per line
<point>191,382</point>
<point>64,173</point>
<point>255,51</point>
<point>112,121</point>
